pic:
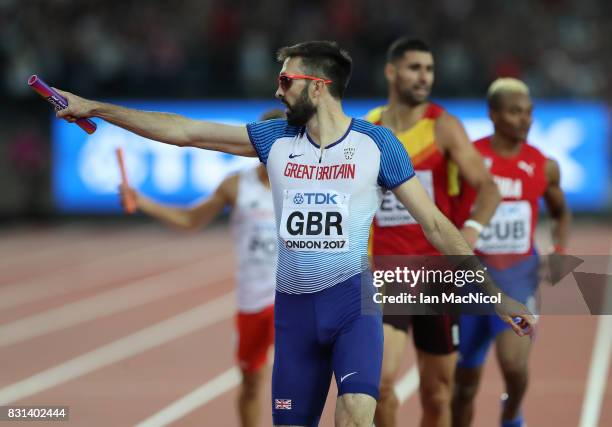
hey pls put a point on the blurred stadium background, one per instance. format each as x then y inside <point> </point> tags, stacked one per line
<point>67,250</point>
<point>158,52</point>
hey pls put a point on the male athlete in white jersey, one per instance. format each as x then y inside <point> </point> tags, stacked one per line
<point>254,231</point>
<point>327,172</point>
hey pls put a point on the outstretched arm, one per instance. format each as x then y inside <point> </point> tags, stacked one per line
<point>198,215</point>
<point>447,239</point>
<point>453,139</point>
<point>168,128</point>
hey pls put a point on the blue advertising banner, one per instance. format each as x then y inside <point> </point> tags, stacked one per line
<point>86,177</point>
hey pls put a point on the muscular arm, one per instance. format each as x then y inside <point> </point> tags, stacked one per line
<point>168,128</point>
<point>453,139</point>
<point>556,205</point>
<point>437,228</point>
<point>447,239</point>
<point>198,215</point>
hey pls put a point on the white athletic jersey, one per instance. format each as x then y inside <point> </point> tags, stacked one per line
<point>254,231</point>
<point>325,204</point>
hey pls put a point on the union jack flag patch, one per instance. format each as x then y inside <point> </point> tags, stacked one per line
<point>282,403</point>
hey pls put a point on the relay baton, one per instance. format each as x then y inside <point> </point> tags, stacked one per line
<point>519,322</point>
<point>58,101</point>
<point>128,201</point>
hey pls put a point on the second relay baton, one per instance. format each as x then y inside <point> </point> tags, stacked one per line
<point>58,101</point>
<point>128,202</point>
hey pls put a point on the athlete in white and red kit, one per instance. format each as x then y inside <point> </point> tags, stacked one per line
<point>254,231</point>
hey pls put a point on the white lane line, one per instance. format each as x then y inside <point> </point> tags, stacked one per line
<point>600,363</point>
<point>113,268</point>
<point>198,397</point>
<point>231,378</point>
<point>195,399</point>
<point>175,327</point>
<point>598,374</point>
<point>407,385</point>
<point>136,294</point>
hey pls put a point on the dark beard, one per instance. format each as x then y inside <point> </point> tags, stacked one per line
<point>407,98</point>
<point>301,111</point>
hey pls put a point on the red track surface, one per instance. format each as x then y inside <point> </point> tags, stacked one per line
<point>90,286</point>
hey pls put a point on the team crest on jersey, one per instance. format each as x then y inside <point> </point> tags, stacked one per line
<point>349,152</point>
<point>488,162</point>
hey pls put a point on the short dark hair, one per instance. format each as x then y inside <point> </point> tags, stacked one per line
<point>322,59</point>
<point>405,44</point>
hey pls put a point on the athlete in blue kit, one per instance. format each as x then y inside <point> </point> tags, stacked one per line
<point>327,172</point>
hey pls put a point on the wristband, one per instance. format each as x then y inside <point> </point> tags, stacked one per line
<point>474,224</point>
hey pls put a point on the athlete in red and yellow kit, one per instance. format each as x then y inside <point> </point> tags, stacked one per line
<point>441,152</point>
<point>523,175</point>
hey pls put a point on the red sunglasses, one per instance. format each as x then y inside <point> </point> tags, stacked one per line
<point>286,80</point>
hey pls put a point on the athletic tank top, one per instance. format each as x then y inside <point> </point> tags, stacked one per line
<point>521,180</point>
<point>325,200</point>
<point>254,232</point>
<point>395,231</point>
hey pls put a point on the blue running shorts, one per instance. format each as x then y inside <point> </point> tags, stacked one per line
<point>477,332</point>
<point>319,334</point>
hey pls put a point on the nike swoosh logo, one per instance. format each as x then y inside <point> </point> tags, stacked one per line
<point>342,378</point>
<point>293,156</point>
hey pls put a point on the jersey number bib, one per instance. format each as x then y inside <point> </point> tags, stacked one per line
<point>315,220</point>
<point>509,230</point>
<point>392,213</point>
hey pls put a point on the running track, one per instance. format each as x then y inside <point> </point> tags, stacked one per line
<point>133,325</point>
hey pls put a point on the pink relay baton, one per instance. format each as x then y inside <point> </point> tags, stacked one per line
<point>58,101</point>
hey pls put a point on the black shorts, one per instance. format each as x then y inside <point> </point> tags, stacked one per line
<point>435,334</point>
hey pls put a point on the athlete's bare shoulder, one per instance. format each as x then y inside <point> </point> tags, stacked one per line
<point>450,132</point>
<point>447,120</point>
